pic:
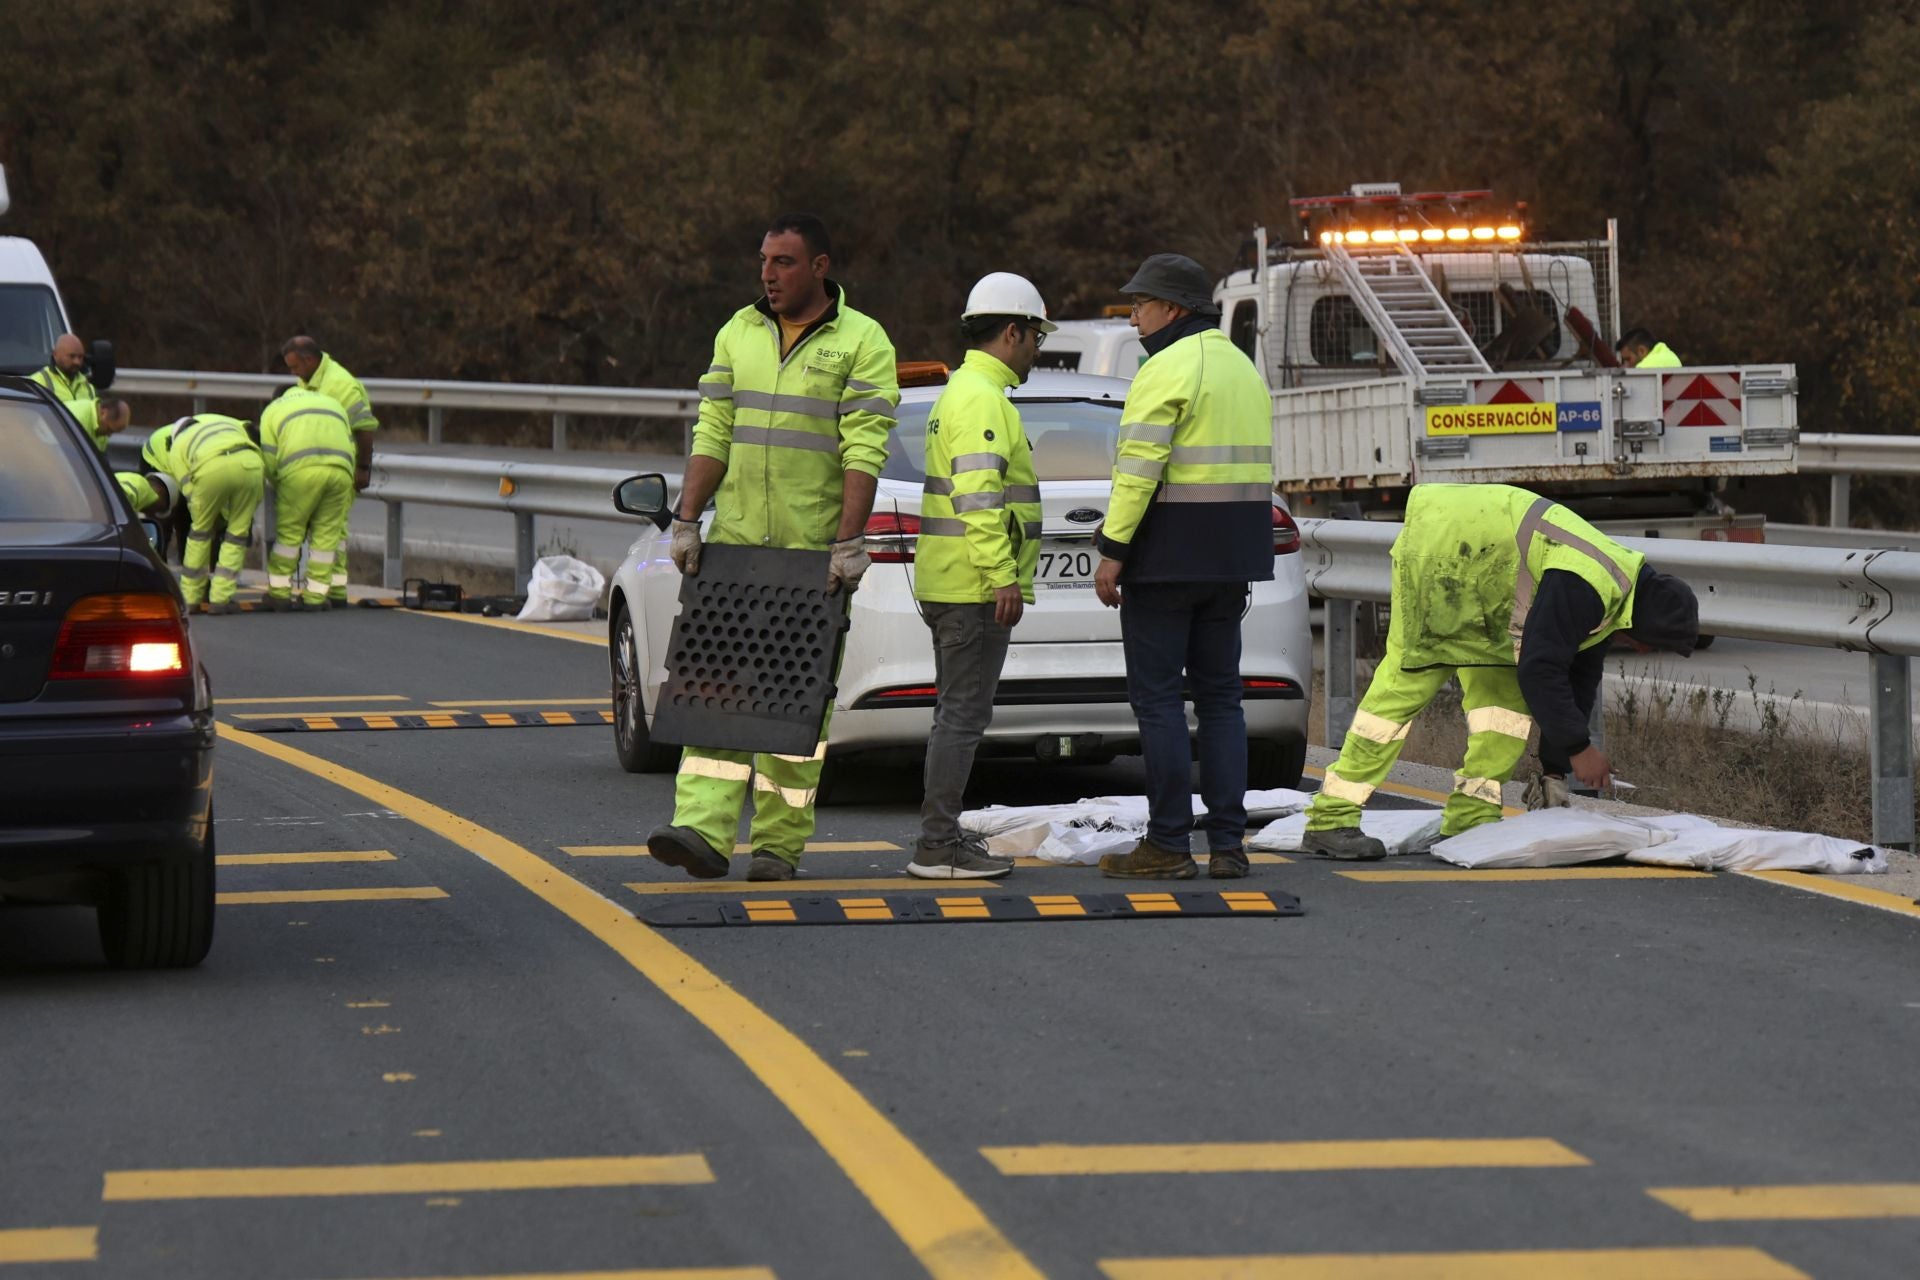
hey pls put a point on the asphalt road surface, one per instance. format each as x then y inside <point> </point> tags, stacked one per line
<point>433,1040</point>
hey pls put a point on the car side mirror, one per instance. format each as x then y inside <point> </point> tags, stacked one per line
<point>644,496</point>
<point>153,531</point>
<point>100,365</point>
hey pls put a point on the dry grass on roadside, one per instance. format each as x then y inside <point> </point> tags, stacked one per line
<point>1771,760</point>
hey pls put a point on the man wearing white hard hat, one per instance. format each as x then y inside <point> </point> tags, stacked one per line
<point>979,543</point>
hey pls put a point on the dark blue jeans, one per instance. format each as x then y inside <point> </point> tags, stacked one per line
<point>1175,628</point>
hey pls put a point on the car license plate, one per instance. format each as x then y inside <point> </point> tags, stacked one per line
<point>1066,566</point>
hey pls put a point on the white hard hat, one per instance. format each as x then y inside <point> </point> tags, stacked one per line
<point>1001,293</point>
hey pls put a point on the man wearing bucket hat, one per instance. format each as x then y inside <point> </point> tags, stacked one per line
<point>1189,526</point>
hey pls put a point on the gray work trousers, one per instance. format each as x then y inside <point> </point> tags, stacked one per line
<point>969,649</point>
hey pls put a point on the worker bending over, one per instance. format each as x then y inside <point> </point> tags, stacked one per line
<point>1517,596</point>
<point>310,459</point>
<point>217,466</point>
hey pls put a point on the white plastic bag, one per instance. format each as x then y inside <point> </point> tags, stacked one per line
<point>1707,846</point>
<point>562,589</point>
<point>1549,838</point>
<point>1081,844</point>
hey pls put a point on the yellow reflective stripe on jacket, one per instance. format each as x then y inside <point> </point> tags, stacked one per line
<point>980,502</point>
<point>69,389</point>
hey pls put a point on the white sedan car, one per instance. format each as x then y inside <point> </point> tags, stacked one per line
<point>1063,692</point>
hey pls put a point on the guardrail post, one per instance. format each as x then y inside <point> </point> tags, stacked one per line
<point>264,526</point>
<point>559,431</point>
<point>522,550</point>
<point>1892,750</point>
<point>1839,485</point>
<point>436,419</point>
<point>393,567</point>
<point>1340,683</point>
<point>199,405</point>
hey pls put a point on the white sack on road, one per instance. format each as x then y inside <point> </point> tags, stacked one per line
<point>1569,837</point>
<point>1401,830</point>
<point>562,589</point>
<point>1104,824</point>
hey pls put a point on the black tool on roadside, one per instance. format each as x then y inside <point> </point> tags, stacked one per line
<point>440,597</point>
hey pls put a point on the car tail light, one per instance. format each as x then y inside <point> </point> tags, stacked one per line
<point>120,637</point>
<point>907,691</point>
<point>1286,534</point>
<point>891,538</point>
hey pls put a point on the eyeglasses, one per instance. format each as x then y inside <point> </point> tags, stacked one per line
<point>1039,337</point>
<point>1140,304</point>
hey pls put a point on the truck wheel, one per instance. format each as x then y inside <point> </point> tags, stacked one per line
<point>160,915</point>
<point>637,751</point>
<point>1274,764</point>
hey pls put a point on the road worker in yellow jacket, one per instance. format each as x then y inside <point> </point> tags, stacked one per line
<point>218,468</point>
<point>1190,525</point>
<point>979,544</point>
<point>319,371</point>
<point>101,418</point>
<point>308,448</point>
<point>1517,596</point>
<point>66,373</point>
<point>794,415</point>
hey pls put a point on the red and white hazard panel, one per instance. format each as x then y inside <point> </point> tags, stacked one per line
<point>1509,391</point>
<point>1701,399</point>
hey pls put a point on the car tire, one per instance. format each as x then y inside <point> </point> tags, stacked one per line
<point>160,915</point>
<point>637,751</point>
<point>1274,764</point>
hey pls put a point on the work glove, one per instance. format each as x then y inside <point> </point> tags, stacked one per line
<point>848,564</point>
<point>1544,791</point>
<point>686,546</point>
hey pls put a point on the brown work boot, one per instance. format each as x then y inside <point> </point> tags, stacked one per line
<point>1347,844</point>
<point>1227,864</point>
<point>1148,861</point>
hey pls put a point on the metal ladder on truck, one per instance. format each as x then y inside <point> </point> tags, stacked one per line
<point>1391,287</point>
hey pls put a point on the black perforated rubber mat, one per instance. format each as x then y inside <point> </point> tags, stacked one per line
<point>752,656</point>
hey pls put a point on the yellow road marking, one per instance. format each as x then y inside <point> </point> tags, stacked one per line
<point>641,851</point>
<point>642,1273</point>
<point>1525,874</point>
<point>1417,793</point>
<point>1282,1157</point>
<point>600,701</point>
<point>387,712</point>
<point>50,1244</point>
<point>422,893</point>
<point>325,697</point>
<point>1839,887</point>
<point>277,859</point>
<point>498,719</point>
<point>321,722</point>
<point>406,1179</point>
<point>934,1218</point>
<point>1778,1204</point>
<point>1562,1264</point>
<point>508,624</point>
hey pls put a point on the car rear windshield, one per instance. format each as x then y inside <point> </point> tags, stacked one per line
<point>1072,439</point>
<point>29,322</point>
<point>43,474</point>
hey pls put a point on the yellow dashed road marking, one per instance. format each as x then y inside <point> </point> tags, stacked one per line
<point>423,893</point>
<point>50,1244</point>
<point>1544,1264</point>
<point>1283,1157</point>
<point>406,1179</point>
<point>279,859</point>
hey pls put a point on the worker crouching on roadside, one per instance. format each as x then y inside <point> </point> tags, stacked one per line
<point>1517,596</point>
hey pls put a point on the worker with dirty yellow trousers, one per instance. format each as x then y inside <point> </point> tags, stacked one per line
<point>1518,597</point>
<point>310,459</point>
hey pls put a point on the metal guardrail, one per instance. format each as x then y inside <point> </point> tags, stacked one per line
<point>1843,457</point>
<point>436,397</point>
<point>1865,601</point>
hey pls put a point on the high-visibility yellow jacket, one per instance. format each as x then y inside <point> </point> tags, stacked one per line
<point>1193,483</point>
<point>185,448</point>
<point>1660,357</point>
<point>73,389</point>
<point>980,504</point>
<point>1467,563</point>
<point>139,490</point>
<point>302,430</point>
<point>87,414</point>
<point>788,428</point>
<point>332,379</point>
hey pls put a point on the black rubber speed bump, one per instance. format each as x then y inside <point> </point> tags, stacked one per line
<point>969,908</point>
<point>751,663</point>
<point>430,720</point>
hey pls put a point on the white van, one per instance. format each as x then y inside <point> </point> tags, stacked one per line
<point>32,313</point>
<point>1108,348</point>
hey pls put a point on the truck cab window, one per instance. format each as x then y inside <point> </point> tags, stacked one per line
<point>1244,328</point>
